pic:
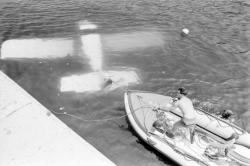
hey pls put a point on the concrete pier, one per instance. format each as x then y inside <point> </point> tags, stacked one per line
<point>31,135</point>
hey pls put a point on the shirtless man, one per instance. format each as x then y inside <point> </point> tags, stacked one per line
<point>189,114</point>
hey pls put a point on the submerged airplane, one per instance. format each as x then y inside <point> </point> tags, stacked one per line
<point>88,45</point>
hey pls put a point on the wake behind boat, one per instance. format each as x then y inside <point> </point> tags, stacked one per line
<point>209,130</point>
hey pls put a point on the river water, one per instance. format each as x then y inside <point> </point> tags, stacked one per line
<point>143,35</point>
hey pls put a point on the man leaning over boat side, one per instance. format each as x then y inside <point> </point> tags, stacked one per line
<point>189,114</point>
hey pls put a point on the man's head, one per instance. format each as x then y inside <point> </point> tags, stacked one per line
<point>227,114</point>
<point>182,91</point>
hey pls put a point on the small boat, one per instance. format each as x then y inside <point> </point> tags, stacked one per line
<point>209,130</point>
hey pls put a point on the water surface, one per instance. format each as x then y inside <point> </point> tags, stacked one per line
<point>213,62</point>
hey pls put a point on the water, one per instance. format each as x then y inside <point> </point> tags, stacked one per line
<point>213,62</point>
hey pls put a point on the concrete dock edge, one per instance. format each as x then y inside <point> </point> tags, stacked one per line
<point>31,135</point>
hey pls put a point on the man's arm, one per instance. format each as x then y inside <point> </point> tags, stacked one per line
<point>171,106</point>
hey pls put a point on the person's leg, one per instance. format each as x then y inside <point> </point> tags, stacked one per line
<point>192,132</point>
<point>190,123</point>
<point>177,125</point>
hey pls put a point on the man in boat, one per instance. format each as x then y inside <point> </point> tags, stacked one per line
<point>189,114</point>
<point>160,123</point>
<point>227,115</point>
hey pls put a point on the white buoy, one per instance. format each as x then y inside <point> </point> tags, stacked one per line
<point>184,32</point>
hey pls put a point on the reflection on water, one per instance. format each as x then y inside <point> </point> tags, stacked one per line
<point>106,80</point>
<point>37,48</point>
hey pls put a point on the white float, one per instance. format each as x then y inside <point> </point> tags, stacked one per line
<point>36,48</point>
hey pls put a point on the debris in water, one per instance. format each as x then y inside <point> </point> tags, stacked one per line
<point>61,108</point>
<point>184,32</point>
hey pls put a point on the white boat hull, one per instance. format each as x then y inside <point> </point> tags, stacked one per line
<point>141,118</point>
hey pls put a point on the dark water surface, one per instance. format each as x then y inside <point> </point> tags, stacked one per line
<point>213,62</point>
